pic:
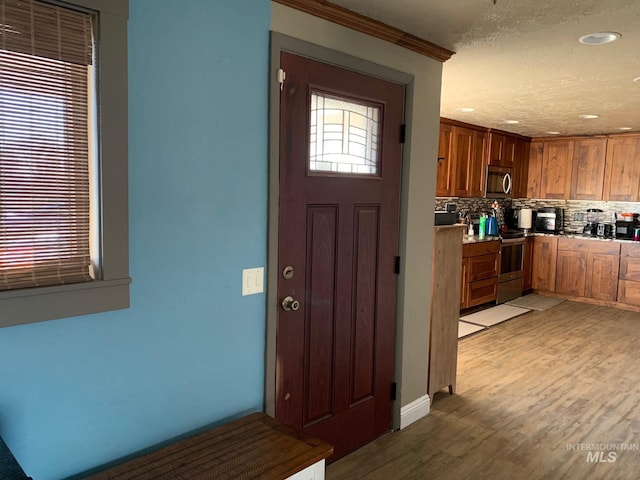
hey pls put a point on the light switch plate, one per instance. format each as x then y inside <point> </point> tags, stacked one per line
<point>252,281</point>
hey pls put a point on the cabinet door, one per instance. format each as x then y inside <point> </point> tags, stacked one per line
<point>479,163</point>
<point>508,152</point>
<point>622,172</point>
<point>545,251</point>
<point>521,168</point>
<point>482,291</point>
<point>482,267</point>
<point>556,169</point>
<point>462,160</point>
<point>443,173</point>
<point>629,292</point>
<point>587,178</point>
<point>535,169</point>
<point>527,268</point>
<point>602,276</point>
<point>496,147</point>
<point>571,272</point>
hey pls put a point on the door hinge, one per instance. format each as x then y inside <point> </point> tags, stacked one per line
<point>281,77</point>
<point>403,133</point>
<point>396,267</point>
<point>394,391</point>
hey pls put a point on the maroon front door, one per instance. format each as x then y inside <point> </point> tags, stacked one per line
<point>340,167</point>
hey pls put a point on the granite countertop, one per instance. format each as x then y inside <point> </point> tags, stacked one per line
<point>476,239</point>
<point>579,236</point>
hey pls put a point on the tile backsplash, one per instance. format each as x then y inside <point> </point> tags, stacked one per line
<point>575,210</point>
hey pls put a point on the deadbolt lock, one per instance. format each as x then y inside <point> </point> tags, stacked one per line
<point>287,272</point>
<point>289,304</point>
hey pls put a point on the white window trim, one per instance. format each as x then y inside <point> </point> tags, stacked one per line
<point>111,292</point>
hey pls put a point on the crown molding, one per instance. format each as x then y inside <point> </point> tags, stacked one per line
<point>360,23</point>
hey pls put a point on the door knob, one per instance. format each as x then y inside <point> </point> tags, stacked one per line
<point>289,304</point>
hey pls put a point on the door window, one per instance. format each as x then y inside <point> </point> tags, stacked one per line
<point>344,135</point>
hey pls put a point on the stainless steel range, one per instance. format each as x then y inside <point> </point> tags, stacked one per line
<point>511,266</point>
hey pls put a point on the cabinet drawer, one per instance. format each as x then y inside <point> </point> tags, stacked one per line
<point>591,246</point>
<point>481,292</point>
<point>629,292</point>
<point>482,267</point>
<point>629,269</point>
<point>482,248</point>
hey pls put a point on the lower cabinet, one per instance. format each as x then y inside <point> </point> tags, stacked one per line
<point>527,267</point>
<point>480,264</point>
<point>629,275</point>
<point>543,274</point>
<point>588,268</point>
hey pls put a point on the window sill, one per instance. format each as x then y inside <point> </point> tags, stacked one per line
<point>48,303</point>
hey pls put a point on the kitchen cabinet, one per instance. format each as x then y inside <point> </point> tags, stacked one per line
<point>587,268</point>
<point>443,171</point>
<point>480,264</point>
<point>545,252</point>
<point>527,264</point>
<point>557,156</point>
<point>502,150</point>
<point>535,169</point>
<point>521,168</point>
<point>622,170</point>
<point>629,275</point>
<point>571,271</point>
<point>587,176</point>
<point>445,291</point>
<point>461,161</point>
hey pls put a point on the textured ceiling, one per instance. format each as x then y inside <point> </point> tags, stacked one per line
<point>521,60</point>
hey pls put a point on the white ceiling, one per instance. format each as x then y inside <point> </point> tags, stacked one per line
<point>521,60</point>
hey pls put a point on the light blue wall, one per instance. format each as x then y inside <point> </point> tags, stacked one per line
<point>78,392</point>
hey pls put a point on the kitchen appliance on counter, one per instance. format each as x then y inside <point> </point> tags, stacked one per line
<point>626,224</point>
<point>550,220</point>
<point>445,218</point>
<point>594,218</point>
<point>497,182</point>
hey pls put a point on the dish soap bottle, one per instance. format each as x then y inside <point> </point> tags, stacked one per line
<point>470,232</point>
<point>481,227</point>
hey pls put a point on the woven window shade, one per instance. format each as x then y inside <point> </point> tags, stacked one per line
<point>45,51</point>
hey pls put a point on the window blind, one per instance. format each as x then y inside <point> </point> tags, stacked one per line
<point>45,51</point>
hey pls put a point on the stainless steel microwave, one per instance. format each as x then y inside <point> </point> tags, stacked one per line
<point>497,182</point>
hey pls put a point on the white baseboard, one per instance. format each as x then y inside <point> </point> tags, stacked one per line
<point>414,411</point>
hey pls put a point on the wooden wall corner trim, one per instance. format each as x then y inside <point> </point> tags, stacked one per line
<point>360,23</point>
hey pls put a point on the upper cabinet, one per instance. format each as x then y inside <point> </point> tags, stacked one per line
<point>521,168</point>
<point>557,158</point>
<point>587,176</point>
<point>622,172</point>
<point>443,172</point>
<point>461,161</point>
<point>585,168</point>
<point>502,150</point>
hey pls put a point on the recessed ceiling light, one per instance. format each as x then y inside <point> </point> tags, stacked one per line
<point>625,128</point>
<point>466,109</point>
<point>589,116</point>
<point>553,133</point>
<point>512,122</point>
<point>637,79</point>
<point>599,38</point>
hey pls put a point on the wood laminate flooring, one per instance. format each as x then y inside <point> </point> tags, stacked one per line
<point>531,394</point>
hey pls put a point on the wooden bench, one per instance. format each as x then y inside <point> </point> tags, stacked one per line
<point>252,447</point>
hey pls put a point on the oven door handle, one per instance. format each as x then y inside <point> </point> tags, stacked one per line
<point>511,241</point>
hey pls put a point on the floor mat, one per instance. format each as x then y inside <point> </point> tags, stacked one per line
<point>465,328</point>
<point>534,301</point>
<point>494,315</point>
